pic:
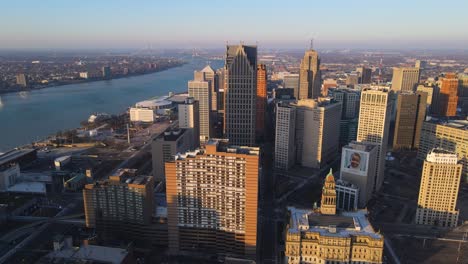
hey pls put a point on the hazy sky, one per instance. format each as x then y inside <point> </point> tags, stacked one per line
<point>199,23</point>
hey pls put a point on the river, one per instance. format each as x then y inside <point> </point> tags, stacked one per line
<point>34,115</point>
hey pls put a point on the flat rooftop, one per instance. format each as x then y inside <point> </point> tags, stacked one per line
<point>14,154</point>
<point>455,123</point>
<point>91,253</point>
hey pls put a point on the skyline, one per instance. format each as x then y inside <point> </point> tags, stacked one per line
<point>185,24</point>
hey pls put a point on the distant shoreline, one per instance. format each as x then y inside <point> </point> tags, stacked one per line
<point>88,80</point>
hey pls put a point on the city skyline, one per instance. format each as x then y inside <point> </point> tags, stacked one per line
<point>335,24</point>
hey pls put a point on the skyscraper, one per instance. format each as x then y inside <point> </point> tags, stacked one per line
<point>189,119</point>
<point>411,112</point>
<point>365,75</point>
<point>106,72</point>
<point>448,98</point>
<point>285,136</point>
<point>405,79</point>
<point>261,99</point>
<point>240,94</point>
<point>349,112</point>
<point>432,96</point>
<point>200,91</point>
<point>374,124</point>
<point>317,131</point>
<point>207,74</point>
<point>438,192</point>
<point>212,200</point>
<point>310,78</point>
<point>463,93</point>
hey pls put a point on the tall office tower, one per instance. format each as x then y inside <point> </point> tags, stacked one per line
<point>261,99</point>
<point>21,79</point>
<point>310,77</point>
<point>439,189</point>
<point>448,98</point>
<point>349,112</point>
<point>451,135</point>
<point>165,146</point>
<point>420,64</point>
<point>189,119</point>
<point>463,93</point>
<point>365,75</point>
<point>122,199</point>
<point>317,131</point>
<point>212,200</point>
<point>209,75</point>
<point>405,79</point>
<point>374,124</point>
<point>106,72</point>
<point>432,96</point>
<point>328,201</point>
<point>358,166</point>
<point>200,91</point>
<point>292,81</point>
<point>411,113</point>
<point>285,136</point>
<point>241,94</point>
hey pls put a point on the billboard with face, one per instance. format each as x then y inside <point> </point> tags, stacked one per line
<point>355,161</point>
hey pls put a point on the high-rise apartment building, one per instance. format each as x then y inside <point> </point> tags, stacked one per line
<point>317,131</point>
<point>310,78</point>
<point>365,75</point>
<point>240,94</point>
<point>285,136</point>
<point>438,192</point>
<point>411,113</point>
<point>358,167</point>
<point>451,135</point>
<point>22,79</point>
<point>261,99</point>
<point>448,98</point>
<point>374,124</point>
<point>212,200</point>
<point>405,79</point>
<point>165,146</point>
<point>291,81</point>
<point>200,91</point>
<point>189,119</point>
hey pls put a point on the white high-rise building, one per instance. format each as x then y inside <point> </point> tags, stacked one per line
<point>438,192</point>
<point>200,91</point>
<point>189,119</point>
<point>374,124</point>
<point>285,136</point>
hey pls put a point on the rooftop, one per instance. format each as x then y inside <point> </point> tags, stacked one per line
<point>344,225</point>
<point>28,187</point>
<point>91,253</point>
<point>171,134</point>
<point>11,155</point>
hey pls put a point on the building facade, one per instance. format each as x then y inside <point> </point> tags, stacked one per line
<point>240,94</point>
<point>448,98</point>
<point>374,124</point>
<point>291,81</point>
<point>285,136</point>
<point>347,196</point>
<point>438,192</point>
<point>310,78</point>
<point>165,146</point>
<point>189,119</point>
<point>200,91</point>
<point>358,167</point>
<point>365,75</point>
<point>141,115</point>
<point>405,79</point>
<point>317,131</point>
<point>411,113</point>
<point>212,200</point>
<point>261,99</point>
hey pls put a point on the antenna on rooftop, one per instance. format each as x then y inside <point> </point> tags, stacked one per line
<point>312,43</point>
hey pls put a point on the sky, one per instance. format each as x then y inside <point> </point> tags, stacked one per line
<point>112,24</point>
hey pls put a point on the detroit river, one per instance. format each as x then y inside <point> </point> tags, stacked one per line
<point>34,115</point>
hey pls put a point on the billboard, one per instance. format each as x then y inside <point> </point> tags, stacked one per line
<point>355,161</point>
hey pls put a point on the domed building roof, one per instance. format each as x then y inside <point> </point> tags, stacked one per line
<point>330,177</point>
